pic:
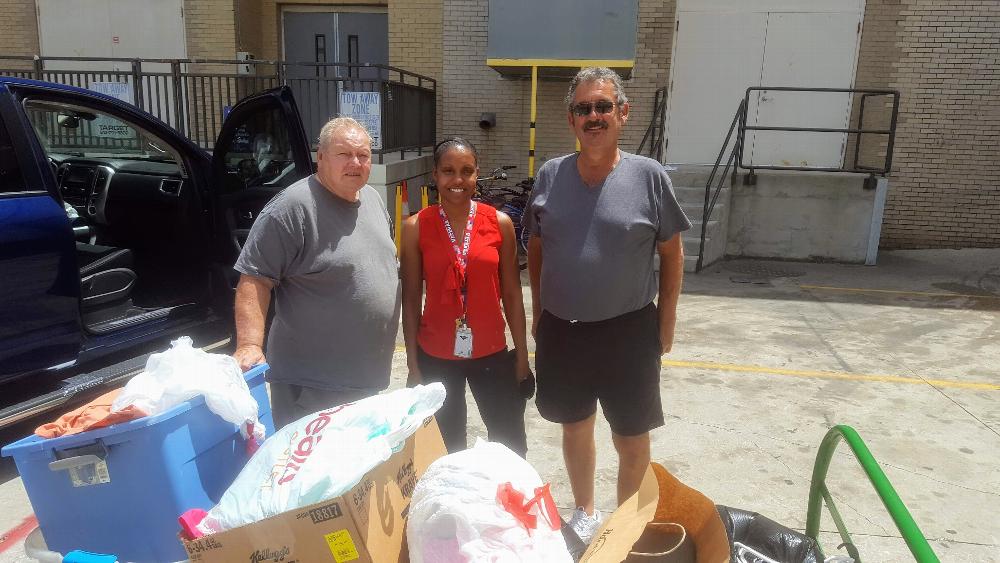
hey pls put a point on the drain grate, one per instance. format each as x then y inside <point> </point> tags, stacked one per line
<point>763,270</point>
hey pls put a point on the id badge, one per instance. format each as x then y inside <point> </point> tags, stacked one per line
<point>463,342</point>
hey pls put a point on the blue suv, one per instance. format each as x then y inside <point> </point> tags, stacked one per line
<point>118,233</point>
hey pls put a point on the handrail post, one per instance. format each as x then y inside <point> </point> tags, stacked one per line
<point>39,68</point>
<point>892,133</point>
<point>137,82</point>
<point>175,76</point>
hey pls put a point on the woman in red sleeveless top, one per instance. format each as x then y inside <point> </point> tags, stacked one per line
<point>463,252</point>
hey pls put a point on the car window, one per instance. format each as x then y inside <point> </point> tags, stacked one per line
<point>260,153</point>
<point>74,130</point>
<point>11,179</point>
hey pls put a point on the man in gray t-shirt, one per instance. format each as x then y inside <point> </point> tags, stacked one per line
<point>324,246</point>
<point>597,219</point>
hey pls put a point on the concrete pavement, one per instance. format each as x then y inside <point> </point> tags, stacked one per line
<point>770,355</point>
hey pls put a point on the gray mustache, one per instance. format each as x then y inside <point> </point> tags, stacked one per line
<point>601,124</point>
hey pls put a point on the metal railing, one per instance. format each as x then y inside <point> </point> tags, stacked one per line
<point>736,161</point>
<point>890,132</point>
<point>194,95</point>
<point>654,132</point>
<point>710,198</point>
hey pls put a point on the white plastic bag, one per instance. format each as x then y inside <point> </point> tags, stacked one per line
<point>184,372</point>
<point>322,455</point>
<point>456,515</point>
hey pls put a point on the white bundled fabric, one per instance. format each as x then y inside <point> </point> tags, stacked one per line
<point>184,372</point>
<point>455,515</point>
<point>322,455</point>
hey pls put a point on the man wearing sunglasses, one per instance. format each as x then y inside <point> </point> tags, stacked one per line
<point>597,218</point>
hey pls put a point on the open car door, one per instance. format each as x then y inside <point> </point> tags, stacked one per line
<point>261,150</point>
<point>39,284</point>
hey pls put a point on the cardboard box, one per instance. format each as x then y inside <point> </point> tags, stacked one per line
<point>661,498</point>
<point>365,525</point>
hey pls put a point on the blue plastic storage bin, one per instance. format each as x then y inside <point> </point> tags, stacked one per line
<point>120,489</point>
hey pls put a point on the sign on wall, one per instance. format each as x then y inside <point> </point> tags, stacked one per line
<point>109,127</point>
<point>366,108</point>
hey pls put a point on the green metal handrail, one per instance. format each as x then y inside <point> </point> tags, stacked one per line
<point>818,491</point>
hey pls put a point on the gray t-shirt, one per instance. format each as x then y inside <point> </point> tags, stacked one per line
<point>337,295</point>
<point>598,242</point>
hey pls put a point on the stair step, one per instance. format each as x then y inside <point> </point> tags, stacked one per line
<point>695,210</point>
<point>690,262</point>
<point>691,194</point>
<point>713,225</point>
<point>690,175</point>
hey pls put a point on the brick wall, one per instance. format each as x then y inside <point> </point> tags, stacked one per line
<point>248,26</point>
<point>18,31</point>
<point>878,53</point>
<point>470,87</point>
<point>945,184</point>
<point>211,29</point>
<point>415,40</point>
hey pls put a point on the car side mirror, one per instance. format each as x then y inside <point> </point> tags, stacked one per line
<point>246,169</point>
<point>68,121</point>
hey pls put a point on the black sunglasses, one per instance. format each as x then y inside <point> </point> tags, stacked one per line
<point>583,109</point>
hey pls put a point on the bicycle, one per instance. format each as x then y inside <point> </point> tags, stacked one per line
<point>511,200</point>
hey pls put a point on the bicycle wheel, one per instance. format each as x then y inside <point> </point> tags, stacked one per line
<point>515,210</point>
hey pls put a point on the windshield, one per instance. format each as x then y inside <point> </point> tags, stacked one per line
<point>78,131</point>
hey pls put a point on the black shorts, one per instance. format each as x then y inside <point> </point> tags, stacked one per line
<point>615,361</point>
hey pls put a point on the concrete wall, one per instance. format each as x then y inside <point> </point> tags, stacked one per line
<point>804,216</point>
<point>416,170</point>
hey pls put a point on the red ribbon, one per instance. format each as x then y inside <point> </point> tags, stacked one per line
<point>512,500</point>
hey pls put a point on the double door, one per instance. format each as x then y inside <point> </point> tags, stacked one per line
<point>721,48</point>
<point>332,37</point>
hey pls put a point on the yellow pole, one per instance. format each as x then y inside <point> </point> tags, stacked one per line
<point>398,215</point>
<point>424,197</point>
<point>531,126</point>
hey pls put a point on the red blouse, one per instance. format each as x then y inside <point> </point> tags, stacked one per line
<point>443,304</point>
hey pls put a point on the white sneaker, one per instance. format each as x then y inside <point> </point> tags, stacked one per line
<point>585,526</point>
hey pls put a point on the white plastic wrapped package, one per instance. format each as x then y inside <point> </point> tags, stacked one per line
<point>459,511</point>
<point>322,455</point>
<point>184,372</point>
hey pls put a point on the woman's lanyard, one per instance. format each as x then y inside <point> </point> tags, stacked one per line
<point>461,254</point>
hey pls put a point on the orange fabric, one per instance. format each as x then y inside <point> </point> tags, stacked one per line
<point>443,304</point>
<point>93,415</point>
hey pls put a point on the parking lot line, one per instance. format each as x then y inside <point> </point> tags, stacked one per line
<point>880,378</point>
<point>897,292</point>
<point>14,535</point>
<point>819,374</point>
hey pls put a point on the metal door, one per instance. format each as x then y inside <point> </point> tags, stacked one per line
<point>716,57</point>
<point>328,37</point>
<point>809,51</point>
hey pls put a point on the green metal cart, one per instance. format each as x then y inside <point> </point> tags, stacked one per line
<point>818,493</point>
